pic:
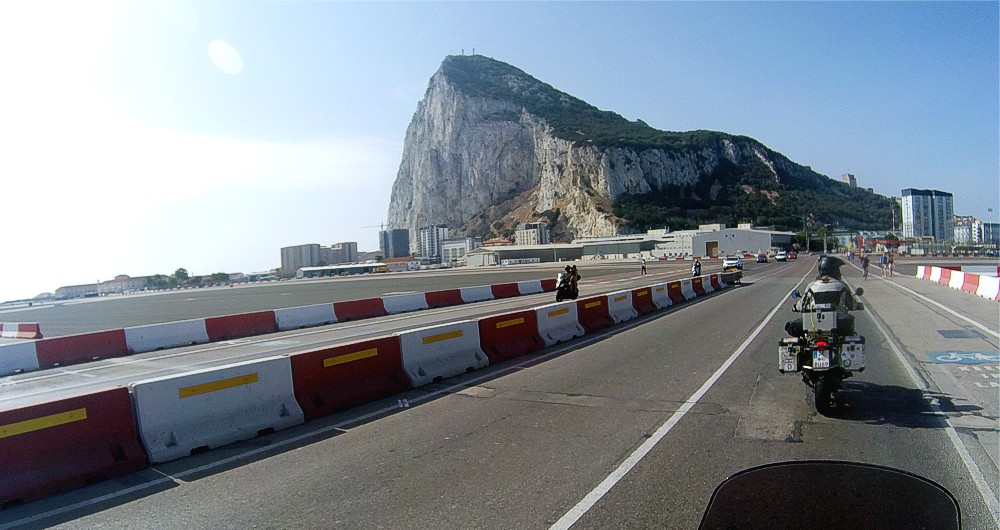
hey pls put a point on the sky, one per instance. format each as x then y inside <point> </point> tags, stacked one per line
<point>140,137</point>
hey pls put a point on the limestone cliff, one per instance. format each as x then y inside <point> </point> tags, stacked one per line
<point>490,146</point>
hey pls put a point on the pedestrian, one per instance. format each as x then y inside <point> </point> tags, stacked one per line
<point>865,262</point>
<point>642,264</point>
<point>883,261</point>
<point>892,265</point>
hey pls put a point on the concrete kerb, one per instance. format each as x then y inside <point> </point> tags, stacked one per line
<point>214,407</point>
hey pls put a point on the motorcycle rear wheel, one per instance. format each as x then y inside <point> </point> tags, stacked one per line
<point>823,388</point>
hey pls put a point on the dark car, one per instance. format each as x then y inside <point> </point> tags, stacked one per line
<point>761,258</point>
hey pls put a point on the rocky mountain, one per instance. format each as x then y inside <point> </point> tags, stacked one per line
<point>490,147</point>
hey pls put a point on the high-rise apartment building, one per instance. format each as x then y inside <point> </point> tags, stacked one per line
<point>394,243</point>
<point>429,242</point>
<point>928,213</point>
<point>298,256</point>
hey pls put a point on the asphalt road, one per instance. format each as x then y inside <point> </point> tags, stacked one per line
<point>526,444</point>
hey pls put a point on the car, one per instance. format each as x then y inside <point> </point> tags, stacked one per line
<point>732,262</point>
<point>793,255</point>
<point>781,256</point>
<point>762,258</point>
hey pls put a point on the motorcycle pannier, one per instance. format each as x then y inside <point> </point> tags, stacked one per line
<point>788,355</point>
<point>852,354</point>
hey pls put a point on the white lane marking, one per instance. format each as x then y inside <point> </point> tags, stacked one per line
<point>167,479</point>
<point>950,311</point>
<point>989,497</point>
<point>588,502</point>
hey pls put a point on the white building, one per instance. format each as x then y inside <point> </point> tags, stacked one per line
<point>531,234</point>
<point>928,213</point>
<point>453,250</point>
<point>429,240</point>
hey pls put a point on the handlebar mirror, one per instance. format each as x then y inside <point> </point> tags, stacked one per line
<point>795,294</point>
<point>859,291</point>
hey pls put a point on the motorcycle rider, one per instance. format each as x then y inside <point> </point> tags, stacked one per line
<point>696,268</point>
<point>828,288</point>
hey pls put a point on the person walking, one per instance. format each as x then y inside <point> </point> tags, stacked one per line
<point>642,265</point>
<point>892,265</point>
<point>883,261</point>
<point>865,262</point>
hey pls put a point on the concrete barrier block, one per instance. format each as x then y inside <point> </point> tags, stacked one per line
<point>509,335</point>
<point>660,296</point>
<point>620,306</point>
<point>936,274</point>
<point>446,298</point>
<point>305,316</point>
<point>476,294</point>
<point>16,357</point>
<point>989,287</point>
<point>153,337</point>
<point>687,289</point>
<point>530,287</point>
<point>330,379</point>
<point>228,327</point>
<point>437,352</point>
<point>214,407</point>
<point>558,322</point>
<point>957,280</point>
<point>72,349</point>
<point>642,300</point>
<point>68,443</point>
<point>404,303</point>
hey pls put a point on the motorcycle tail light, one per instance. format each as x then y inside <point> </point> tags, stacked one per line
<point>821,345</point>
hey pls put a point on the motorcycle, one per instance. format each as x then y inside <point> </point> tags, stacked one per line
<point>565,288</point>
<point>696,269</point>
<point>823,346</point>
<point>824,494</point>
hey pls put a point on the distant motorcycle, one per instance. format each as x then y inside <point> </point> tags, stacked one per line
<point>696,269</point>
<point>566,288</point>
<point>823,346</point>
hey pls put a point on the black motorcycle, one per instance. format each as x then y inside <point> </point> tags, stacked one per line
<point>565,287</point>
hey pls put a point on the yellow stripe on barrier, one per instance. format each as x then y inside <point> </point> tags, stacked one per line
<point>44,422</point>
<point>659,289</point>
<point>588,305</point>
<point>621,298</point>
<point>444,336</point>
<point>215,386</point>
<point>508,323</point>
<point>675,284</point>
<point>558,312</point>
<point>642,293</point>
<point>350,357</point>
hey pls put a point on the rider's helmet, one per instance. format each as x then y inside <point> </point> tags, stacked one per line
<point>830,266</point>
<point>568,268</point>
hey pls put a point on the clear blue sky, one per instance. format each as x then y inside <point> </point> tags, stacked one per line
<point>142,137</point>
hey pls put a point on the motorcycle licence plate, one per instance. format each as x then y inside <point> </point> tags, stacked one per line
<point>821,359</point>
